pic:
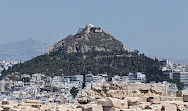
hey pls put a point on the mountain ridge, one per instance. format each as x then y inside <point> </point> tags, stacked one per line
<point>22,50</point>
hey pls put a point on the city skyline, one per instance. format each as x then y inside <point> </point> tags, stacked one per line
<point>93,55</point>
<point>156,28</point>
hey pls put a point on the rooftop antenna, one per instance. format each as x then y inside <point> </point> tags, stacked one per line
<point>20,61</point>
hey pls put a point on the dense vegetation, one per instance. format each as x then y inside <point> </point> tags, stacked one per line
<point>112,63</point>
<point>74,92</point>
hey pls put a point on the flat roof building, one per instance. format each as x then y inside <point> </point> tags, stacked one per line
<point>181,77</point>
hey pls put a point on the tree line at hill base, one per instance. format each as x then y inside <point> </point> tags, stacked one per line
<point>113,63</point>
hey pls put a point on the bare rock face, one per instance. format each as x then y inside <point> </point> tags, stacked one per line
<point>169,106</point>
<point>94,107</point>
<point>122,90</point>
<point>87,39</point>
<point>133,100</point>
<point>112,102</point>
<point>96,86</point>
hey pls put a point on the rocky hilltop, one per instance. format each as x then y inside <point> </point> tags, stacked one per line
<point>87,39</point>
<point>90,50</point>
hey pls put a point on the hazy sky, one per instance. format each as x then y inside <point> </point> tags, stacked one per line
<point>155,27</point>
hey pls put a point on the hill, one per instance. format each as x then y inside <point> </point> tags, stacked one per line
<point>91,50</point>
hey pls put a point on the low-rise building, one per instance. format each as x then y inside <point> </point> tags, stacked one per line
<point>181,77</point>
<point>89,77</point>
<point>18,85</point>
<point>130,78</point>
<point>98,78</point>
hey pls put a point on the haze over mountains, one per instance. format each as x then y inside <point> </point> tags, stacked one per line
<point>27,49</point>
<point>23,50</point>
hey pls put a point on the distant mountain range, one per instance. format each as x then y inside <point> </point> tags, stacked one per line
<point>23,50</point>
<point>173,60</point>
